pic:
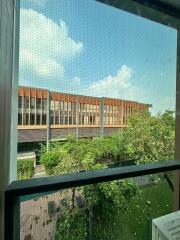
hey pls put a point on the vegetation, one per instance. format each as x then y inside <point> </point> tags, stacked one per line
<point>135,223</point>
<point>147,139</point>
<point>150,138</point>
<point>72,226</point>
<point>25,168</point>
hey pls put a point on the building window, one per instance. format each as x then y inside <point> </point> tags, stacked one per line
<point>19,118</point>
<point>38,103</point>
<point>83,118</point>
<point>70,120</point>
<point>70,107</point>
<point>61,120</point>
<point>74,113</point>
<point>66,119</point>
<point>20,101</point>
<point>26,117</point>
<point>44,104</point>
<point>65,113</point>
<point>56,117</point>
<point>44,119</point>
<point>26,103</point>
<point>32,119</point>
<point>62,105</point>
<point>65,106</point>
<point>80,119</point>
<point>38,119</point>
<point>123,120</point>
<point>52,105</point>
<point>56,105</point>
<point>32,103</point>
<point>52,118</point>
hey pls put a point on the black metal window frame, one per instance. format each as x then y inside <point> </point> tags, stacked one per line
<point>47,184</point>
<point>151,9</point>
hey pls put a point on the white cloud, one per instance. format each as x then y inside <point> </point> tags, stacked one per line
<point>118,86</point>
<point>39,65</point>
<point>45,45</point>
<point>122,85</point>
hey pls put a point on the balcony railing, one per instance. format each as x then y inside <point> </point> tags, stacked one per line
<point>17,189</point>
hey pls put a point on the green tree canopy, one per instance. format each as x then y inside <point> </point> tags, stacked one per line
<point>150,138</point>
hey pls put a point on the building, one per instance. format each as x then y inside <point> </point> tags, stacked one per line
<point>44,115</point>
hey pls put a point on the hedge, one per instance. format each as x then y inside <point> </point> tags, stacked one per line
<point>25,169</point>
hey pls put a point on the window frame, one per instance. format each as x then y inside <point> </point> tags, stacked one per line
<point>150,9</point>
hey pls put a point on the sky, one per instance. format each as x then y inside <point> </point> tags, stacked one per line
<point>86,47</point>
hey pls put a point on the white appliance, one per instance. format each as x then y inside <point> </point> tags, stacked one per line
<point>166,227</point>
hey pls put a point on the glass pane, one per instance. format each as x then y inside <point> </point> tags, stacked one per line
<point>121,209</point>
<point>100,80</point>
<point>97,90</point>
<point>32,104</point>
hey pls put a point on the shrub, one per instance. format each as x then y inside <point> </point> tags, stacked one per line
<point>72,226</point>
<point>25,168</point>
<point>52,158</point>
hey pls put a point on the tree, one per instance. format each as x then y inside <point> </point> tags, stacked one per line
<point>88,155</point>
<point>150,138</point>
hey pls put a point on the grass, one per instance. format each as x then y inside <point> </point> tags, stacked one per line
<point>136,223</point>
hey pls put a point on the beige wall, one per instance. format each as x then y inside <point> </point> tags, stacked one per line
<point>8,92</point>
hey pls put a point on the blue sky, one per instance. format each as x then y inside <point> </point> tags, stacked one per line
<point>85,47</point>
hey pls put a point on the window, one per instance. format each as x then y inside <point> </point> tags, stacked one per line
<point>38,119</point>
<point>61,120</point>
<point>65,107</point>
<point>99,69</point>
<point>56,105</point>
<point>52,105</point>
<point>38,103</point>
<point>44,104</point>
<point>70,120</point>
<point>19,118</point>
<point>26,103</point>
<point>20,101</point>
<point>56,117</point>
<point>74,112</point>
<point>26,118</point>
<point>65,113</point>
<point>44,117</point>
<point>62,105</point>
<point>32,103</point>
<point>52,117</point>
<point>32,119</point>
<point>70,109</point>
<point>89,79</point>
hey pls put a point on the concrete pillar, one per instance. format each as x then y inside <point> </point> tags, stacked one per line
<point>48,120</point>
<point>9,38</point>
<point>102,117</point>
